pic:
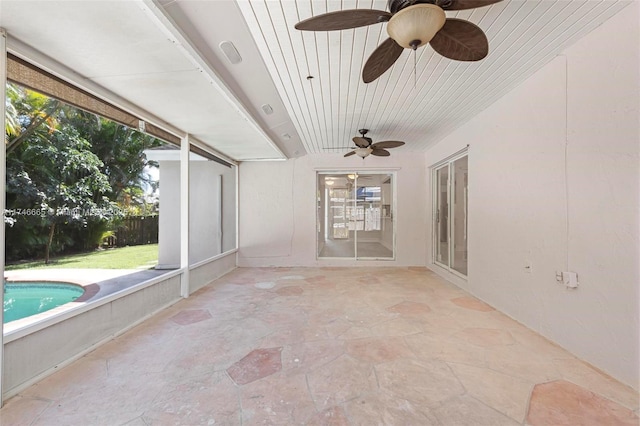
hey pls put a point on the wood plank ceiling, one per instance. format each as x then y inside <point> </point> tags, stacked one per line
<point>423,97</point>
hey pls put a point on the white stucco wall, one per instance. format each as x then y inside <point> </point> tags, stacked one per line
<point>210,183</point>
<point>229,203</point>
<point>169,215</point>
<point>205,212</point>
<point>278,209</point>
<point>554,182</point>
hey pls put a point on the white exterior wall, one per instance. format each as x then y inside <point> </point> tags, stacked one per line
<point>229,203</point>
<point>169,215</point>
<point>278,209</point>
<point>210,183</point>
<point>553,181</point>
<point>205,273</point>
<point>205,215</point>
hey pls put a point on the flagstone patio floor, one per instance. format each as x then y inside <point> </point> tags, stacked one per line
<point>327,346</point>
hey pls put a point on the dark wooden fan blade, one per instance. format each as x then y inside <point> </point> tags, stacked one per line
<point>464,4</point>
<point>380,152</point>
<point>349,153</point>
<point>460,40</point>
<point>343,20</point>
<point>387,144</point>
<point>361,142</point>
<point>381,60</point>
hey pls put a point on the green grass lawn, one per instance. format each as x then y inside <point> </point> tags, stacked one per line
<point>135,257</point>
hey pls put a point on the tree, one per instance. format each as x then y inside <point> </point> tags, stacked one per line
<point>31,114</point>
<point>73,168</point>
<point>121,150</point>
<point>53,177</point>
<point>61,181</point>
<point>11,124</point>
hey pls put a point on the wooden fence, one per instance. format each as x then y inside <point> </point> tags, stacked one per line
<point>135,231</point>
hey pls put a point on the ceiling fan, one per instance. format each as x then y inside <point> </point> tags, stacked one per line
<point>411,24</point>
<point>365,146</point>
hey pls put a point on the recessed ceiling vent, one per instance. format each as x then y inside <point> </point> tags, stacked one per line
<point>230,52</point>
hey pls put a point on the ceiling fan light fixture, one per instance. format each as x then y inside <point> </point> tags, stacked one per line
<point>416,25</point>
<point>363,152</point>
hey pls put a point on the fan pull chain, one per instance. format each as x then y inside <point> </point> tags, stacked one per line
<point>414,46</point>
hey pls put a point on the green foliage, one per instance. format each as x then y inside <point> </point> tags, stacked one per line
<point>96,232</point>
<point>70,175</point>
<point>121,150</point>
<point>11,124</point>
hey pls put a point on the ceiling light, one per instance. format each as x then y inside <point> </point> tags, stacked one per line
<point>230,52</point>
<point>416,25</point>
<point>329,182</point>
<point>363,152</point>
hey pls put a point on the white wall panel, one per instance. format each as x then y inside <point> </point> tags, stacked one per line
<point>554,182</point>
<point>203,274</point>
<point>278,210</point>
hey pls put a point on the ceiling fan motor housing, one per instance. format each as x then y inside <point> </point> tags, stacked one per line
<point>397,5</point>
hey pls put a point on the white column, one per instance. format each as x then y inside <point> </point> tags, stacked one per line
<point>184,216</point>
<point>3,173</point>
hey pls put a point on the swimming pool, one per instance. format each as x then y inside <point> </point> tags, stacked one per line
<point>23,299</point>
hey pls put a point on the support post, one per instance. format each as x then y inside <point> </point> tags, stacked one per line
<point>3,174</point>
<point>184,216</point>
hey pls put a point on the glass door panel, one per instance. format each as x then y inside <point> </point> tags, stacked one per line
<point>335,236</point>
<point>374,238</point>
<point>442,216</point>
<point>460,171</point>
<point>354,216</point>
<point>451,182</point>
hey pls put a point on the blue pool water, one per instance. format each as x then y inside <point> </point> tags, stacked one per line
<point>29,298</point>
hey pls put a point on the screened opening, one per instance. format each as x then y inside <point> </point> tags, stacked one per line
<point>80,195</point>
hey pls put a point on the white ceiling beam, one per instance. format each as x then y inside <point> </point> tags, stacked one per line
<point>51,66</point>
<point>166,24</point>
<point>48,64</point>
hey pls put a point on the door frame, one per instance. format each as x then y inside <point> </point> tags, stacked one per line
<point>392,171</point>
<point>433,169</point>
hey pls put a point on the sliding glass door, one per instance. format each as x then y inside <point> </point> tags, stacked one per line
<point>451,179</point>
<point>354,215</point>
<point>442,215</point>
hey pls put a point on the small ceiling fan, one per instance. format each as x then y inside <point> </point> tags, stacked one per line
<point>365,146</point>
<point>411,24</point>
